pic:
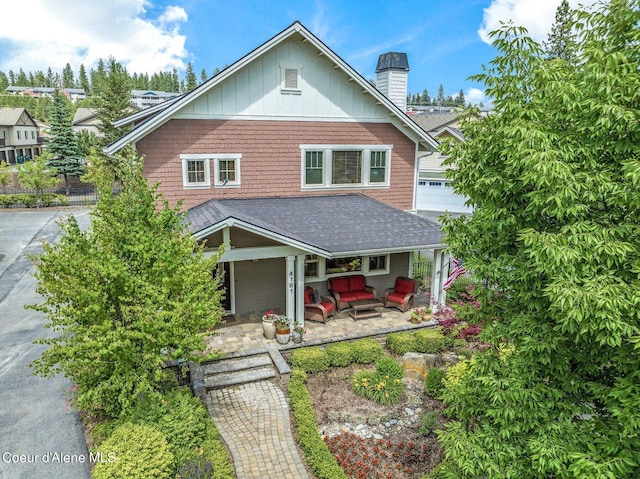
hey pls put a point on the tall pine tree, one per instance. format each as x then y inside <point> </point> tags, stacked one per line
<point>62,149</point>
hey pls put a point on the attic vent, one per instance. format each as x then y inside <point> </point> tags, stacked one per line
<point>290,79</point>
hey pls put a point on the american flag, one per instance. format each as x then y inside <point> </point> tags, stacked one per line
<point>457,270</point>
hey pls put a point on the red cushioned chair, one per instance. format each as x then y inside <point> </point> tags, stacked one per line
<point>320,311</point>
<point>350,288</point>
<point>401,295</point>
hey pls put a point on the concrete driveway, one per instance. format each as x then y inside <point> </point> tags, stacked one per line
<point>40,436</point>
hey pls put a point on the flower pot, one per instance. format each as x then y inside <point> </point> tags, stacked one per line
<point>283,335</point>
<point>296,337</point>
<point>268,329</point>
<point>414,319</point>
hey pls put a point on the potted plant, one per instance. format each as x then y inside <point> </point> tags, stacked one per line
<point>297,333</point>
<point>283,329</point>
<point>268,326</point>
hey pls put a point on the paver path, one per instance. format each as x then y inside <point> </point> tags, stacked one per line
<point>253,419</point>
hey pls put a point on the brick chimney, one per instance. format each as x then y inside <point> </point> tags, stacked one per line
<point>392,72</point>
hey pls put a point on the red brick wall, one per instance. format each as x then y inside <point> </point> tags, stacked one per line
<point>270,164</point>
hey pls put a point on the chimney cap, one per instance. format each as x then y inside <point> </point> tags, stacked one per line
<point>392,61</point>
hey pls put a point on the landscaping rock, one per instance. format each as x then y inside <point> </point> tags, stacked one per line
<point>416,365</point>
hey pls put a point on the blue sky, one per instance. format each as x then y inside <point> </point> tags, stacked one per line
<point>445,39</point>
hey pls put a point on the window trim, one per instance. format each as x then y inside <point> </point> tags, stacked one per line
<point>365,173</point>
<point>186,158</point>
<point>284,89</point>
<point>216,170</point>
<point>365,270</point>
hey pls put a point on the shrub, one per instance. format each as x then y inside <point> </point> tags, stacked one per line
<point>387,366</point>
<point>433,382</point>
<point>140,451</point>
<point>429,341</point>
<point>454,374</point>
<point>318,456</point>
<point>310,360</point>
<point>215,452</point>
<point>429,423</point>
<point>366,351</point>
<point>401,343</point>
<point>340,354</point>
<point>374,386</point>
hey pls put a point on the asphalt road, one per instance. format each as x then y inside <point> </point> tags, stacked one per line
<point>40,436</point>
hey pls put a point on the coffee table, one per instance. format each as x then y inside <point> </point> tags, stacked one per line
<point>365,308</point>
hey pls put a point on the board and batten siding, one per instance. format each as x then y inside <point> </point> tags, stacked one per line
<point>255,90</point>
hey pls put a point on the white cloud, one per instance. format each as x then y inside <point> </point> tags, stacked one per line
<point>475,96</point>
<point>52,34</point>
<point>537,17</point>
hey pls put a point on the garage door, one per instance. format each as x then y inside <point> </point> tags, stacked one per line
<point>437,195</point>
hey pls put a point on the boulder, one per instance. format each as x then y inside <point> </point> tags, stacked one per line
<point>416,365</point>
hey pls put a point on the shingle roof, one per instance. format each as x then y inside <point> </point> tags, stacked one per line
<point>335,224</point>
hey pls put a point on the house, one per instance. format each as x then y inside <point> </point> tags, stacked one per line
<point>147,98</point>
<point>19,137</point>
<point>297,165</point>
<point>72,94</point>
<point>86,119</point>
<point>434,193</point>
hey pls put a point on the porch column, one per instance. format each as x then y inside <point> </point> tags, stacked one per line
<point>438,295</point>
<point>291,290</point>
<point>300,290</point>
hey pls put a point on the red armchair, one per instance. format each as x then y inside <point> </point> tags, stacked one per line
<point>401,295</point>
<point>318,311</point>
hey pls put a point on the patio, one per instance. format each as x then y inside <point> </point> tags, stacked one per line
<point>245,335</point>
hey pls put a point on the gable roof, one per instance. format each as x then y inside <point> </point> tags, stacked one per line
<point>331,226</point>
<point>163,115</point>
<point>13,116</point>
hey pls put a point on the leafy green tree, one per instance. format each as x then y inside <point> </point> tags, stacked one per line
<point>191,81</point>
<point>37,175</point>
<point>6,174</point>
<point>112,101</point>
<point>554,177</point>
<point>561,40</point>
<point>127,294</point>
<point>64,155</point>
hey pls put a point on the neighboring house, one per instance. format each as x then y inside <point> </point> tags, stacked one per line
<point>72,94</point>
<point>298,166</point>
<point>86,119</point>
<point>434,192</point>
<point>19,138</point>
<point>147,98</point>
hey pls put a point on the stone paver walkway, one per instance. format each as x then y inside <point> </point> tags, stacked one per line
<point>253,419</point>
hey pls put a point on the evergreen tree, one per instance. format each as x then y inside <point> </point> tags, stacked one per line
<point>62,148</point>
<point>191,81</point>
<point>83,80</point>
<point>39,79</point>
<point>4,81</point>
<point>112,101</point>
<point>561,40</point>
<point>459,101</point>
<point>425,99</point>
<point>129,293</point>
<point>203,76</point>
<point>68,80</point>
<point>22,78</point>
<point>175,81</point>
<point>51,79</point>
<point>555,182</point>
<point>440,99</point>
<point>97,76</point>
<point>12,78</point>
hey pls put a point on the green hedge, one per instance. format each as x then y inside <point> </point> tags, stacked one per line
<point>310,360</point>
<point>318,456</point>
<point>429,341</point>
<point>31,200</point>
<point>401,343</point>
<point>137,451</point>
<point>340,354</point>
<point>366,351</point>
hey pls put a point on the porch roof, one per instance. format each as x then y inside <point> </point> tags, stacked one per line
<point>329,225</point>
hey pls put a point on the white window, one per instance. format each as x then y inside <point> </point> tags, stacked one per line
<point>196,171</point>
<point>227,170</point>
<point>290,81</point>
<point>338,166</point>
<point>317,268</point>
